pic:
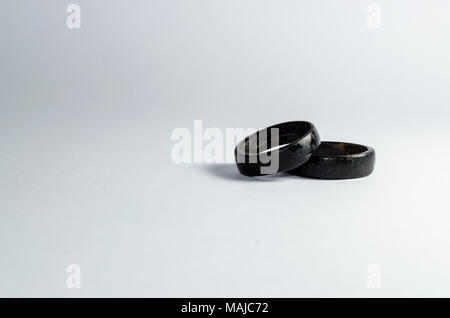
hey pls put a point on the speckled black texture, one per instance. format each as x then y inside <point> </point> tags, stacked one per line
<point>338,160</point>
<point>297,140</point>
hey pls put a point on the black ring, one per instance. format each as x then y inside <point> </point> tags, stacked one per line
<point>295,143</point>
<point>338,160</point>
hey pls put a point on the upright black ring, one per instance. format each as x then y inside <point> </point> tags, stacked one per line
<point>338,160</point>
<point>288,145</point>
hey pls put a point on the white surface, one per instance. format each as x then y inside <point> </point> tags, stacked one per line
<point>86,175</point>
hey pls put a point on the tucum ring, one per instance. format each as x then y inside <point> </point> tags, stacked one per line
<point>277,148</point>
<point>338,160</point>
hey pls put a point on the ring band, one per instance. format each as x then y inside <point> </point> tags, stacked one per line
<point>338,160</point>
<point>278,148</point>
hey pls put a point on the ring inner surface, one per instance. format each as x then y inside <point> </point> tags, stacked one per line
<point>335,149</point>
<point>263,141</point>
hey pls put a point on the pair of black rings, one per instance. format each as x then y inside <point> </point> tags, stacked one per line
<point>295,147</point>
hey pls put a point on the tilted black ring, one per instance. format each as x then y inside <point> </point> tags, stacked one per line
<point>296,142</point>
<point>338,160</point>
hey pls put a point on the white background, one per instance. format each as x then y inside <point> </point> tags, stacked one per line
<point>86,175</point>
